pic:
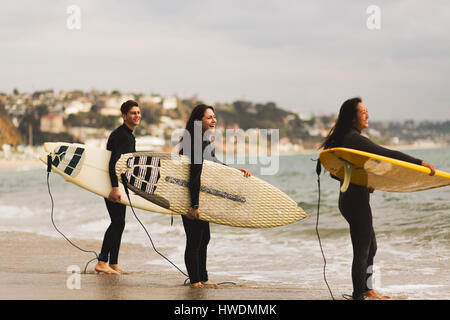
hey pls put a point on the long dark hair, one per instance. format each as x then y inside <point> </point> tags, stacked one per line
<point>343,125</point>
<point>196,115</point>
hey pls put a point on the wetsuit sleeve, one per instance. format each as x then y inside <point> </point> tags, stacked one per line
<point>195,182</point>
<point>195,174</point>
<point>362,143</point>
<point>115,146</point>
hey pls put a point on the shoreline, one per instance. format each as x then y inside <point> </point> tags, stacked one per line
<point>38,267</point>
<point>20,164</point>
<point>34,162</point>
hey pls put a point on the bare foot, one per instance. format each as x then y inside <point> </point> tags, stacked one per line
<point>209,284</point>
<point>197,285</point>
<point>372,295</point>
<point>103,267</point>
<point>115,267</point>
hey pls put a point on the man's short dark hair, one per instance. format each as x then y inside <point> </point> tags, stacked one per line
<point>127,105</point>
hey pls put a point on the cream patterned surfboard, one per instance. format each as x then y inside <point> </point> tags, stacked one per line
<point>226,196</point>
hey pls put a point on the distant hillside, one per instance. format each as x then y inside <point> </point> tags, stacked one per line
<point>247,115</point>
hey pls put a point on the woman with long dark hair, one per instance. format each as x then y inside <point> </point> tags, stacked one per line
<point>195,140</point>
<point>354,204</point>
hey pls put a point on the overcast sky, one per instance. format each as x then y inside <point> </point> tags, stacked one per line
<point>306,56</point>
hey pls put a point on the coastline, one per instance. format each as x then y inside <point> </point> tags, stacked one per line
<point>21,163</point>
<point>394,147</point>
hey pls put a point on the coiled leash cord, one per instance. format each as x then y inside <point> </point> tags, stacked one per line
<point>318,171</point>
<point>49,169</point>
<point>124,181</point>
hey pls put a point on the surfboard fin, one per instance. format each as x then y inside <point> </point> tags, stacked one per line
<point>318,167</point>
<point>347,175</point>
<point>49,162</point>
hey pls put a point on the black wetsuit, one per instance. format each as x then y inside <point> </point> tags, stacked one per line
<point>355,207</point>
<point>197,231</point>
<point>120,141</point>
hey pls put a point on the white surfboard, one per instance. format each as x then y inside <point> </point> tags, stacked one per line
<point>226,196</point>
<point>87,167</point>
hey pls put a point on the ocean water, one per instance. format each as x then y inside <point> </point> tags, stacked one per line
<point>412,231</point>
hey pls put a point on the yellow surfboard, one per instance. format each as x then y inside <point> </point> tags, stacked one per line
<point>380,173</point>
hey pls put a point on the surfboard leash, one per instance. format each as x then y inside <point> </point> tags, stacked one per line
<point>124,181</point>
<point>318,171</point>
<point>49,169</point>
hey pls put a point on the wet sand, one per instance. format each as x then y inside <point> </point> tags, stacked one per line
<point>39,268</point>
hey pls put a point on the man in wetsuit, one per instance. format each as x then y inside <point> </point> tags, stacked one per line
<point>120,141</point>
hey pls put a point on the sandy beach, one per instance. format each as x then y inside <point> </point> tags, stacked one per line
<point>39,267</point>
<point>35,275</point>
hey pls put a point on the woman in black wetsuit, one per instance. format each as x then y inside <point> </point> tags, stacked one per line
<point>354,203</point>
<point>202,121</point>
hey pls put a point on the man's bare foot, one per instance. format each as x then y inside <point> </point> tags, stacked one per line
<point>115,267</point>
<point>372,295</point>
<point>103,267</point>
